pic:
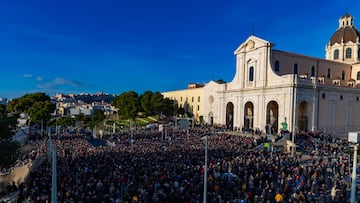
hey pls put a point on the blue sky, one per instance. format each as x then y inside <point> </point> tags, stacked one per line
<point>159,45</point>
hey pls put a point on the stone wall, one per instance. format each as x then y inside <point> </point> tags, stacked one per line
<point>19,174</point>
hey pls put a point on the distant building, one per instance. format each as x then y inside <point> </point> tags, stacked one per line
<point>81,110</point>
<point>271,87</point>
<point>195,85</point>
<point>73,104</point>
<point>3,101</point>
<point>191,99</point>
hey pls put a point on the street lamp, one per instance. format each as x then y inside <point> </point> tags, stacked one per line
<point>205,168</point>
<point>354,137</point>
<point>131,135</point>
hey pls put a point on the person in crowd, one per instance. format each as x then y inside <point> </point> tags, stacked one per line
<point>169,167</point>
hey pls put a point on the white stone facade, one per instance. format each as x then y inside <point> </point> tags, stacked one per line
<point>271,87</point>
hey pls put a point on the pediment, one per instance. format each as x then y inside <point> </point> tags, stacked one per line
<point>251,43</point>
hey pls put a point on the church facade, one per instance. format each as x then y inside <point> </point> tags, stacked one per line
<point>272,88</point>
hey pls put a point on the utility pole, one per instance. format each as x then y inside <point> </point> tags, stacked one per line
<point>49,143</point>
<point>353,176</point>
<point>114,128</point>
<point>354,137</point>
<point>132,135</point>
<point>42,127</point>
<point>205,169</point>
<point>54,180</point>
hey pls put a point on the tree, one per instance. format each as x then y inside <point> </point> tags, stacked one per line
<point>97,117</point>
<point>2,110</point>
<point>80,121</point>
<point>169,107</point>
<point>66,121</point>
<point>8,148</point>
<point>37,105</point>
<point>157,102</point>
<point>40,111</point>
<point>180,111</point>
<point>128,104</point>
<point>145,100</point>
<point>80,118</point>
<point>25,102</point>
<point>7,124</point>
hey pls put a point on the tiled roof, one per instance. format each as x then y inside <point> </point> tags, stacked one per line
<point>346,33</point>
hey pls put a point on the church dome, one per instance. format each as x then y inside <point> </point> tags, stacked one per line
<point>344,35</point>
<point>346,31</point>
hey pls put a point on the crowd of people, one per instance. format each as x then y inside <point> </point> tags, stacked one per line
<point>152,166</point>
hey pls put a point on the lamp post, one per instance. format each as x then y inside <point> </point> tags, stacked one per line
<point>353,176</point>
<point>205,169</point>
<point>114,128</point>
<point>131,135</point>
<point>54,179</point>
<point>354,137</point>
<point>49,144</point>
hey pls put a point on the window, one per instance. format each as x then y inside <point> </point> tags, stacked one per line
<point>358,76</point>
<point>277,65</point>
<point>312,71</point>
<point>328,73</point>
<point>348,53</point>
<point>343,75</point>
<point>180,98</point>
<point>198,108</point>
<point>251,74</point>
<point>192,99</point>
<point>296,68</point>
<point>359,54</point>
<point>357,99</point>
<point>323,95</point>
<point>341,97</point>
<point>336,54</point>
<point>350,83</point>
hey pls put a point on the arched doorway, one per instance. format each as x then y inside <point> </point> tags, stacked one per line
<point>230,115</point>
<point>272,117</point>
<point>302,116</point>
<point>248,116</point>
<point>211,118</point>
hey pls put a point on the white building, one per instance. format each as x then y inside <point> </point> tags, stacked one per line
<point>3,101</point>
<point>272,87</point>
<point>81,110</point>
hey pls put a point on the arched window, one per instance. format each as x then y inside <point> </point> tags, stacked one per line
<point>328,73</point>
<point>359,54</point>
<point>343,75</point>
<point>277,65</point>
<point>358,76</point>
<point>348,53</point>
<point>313,71</point>
<point>251,74</point>
<point>336,54</point>
<point>296,68</point>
